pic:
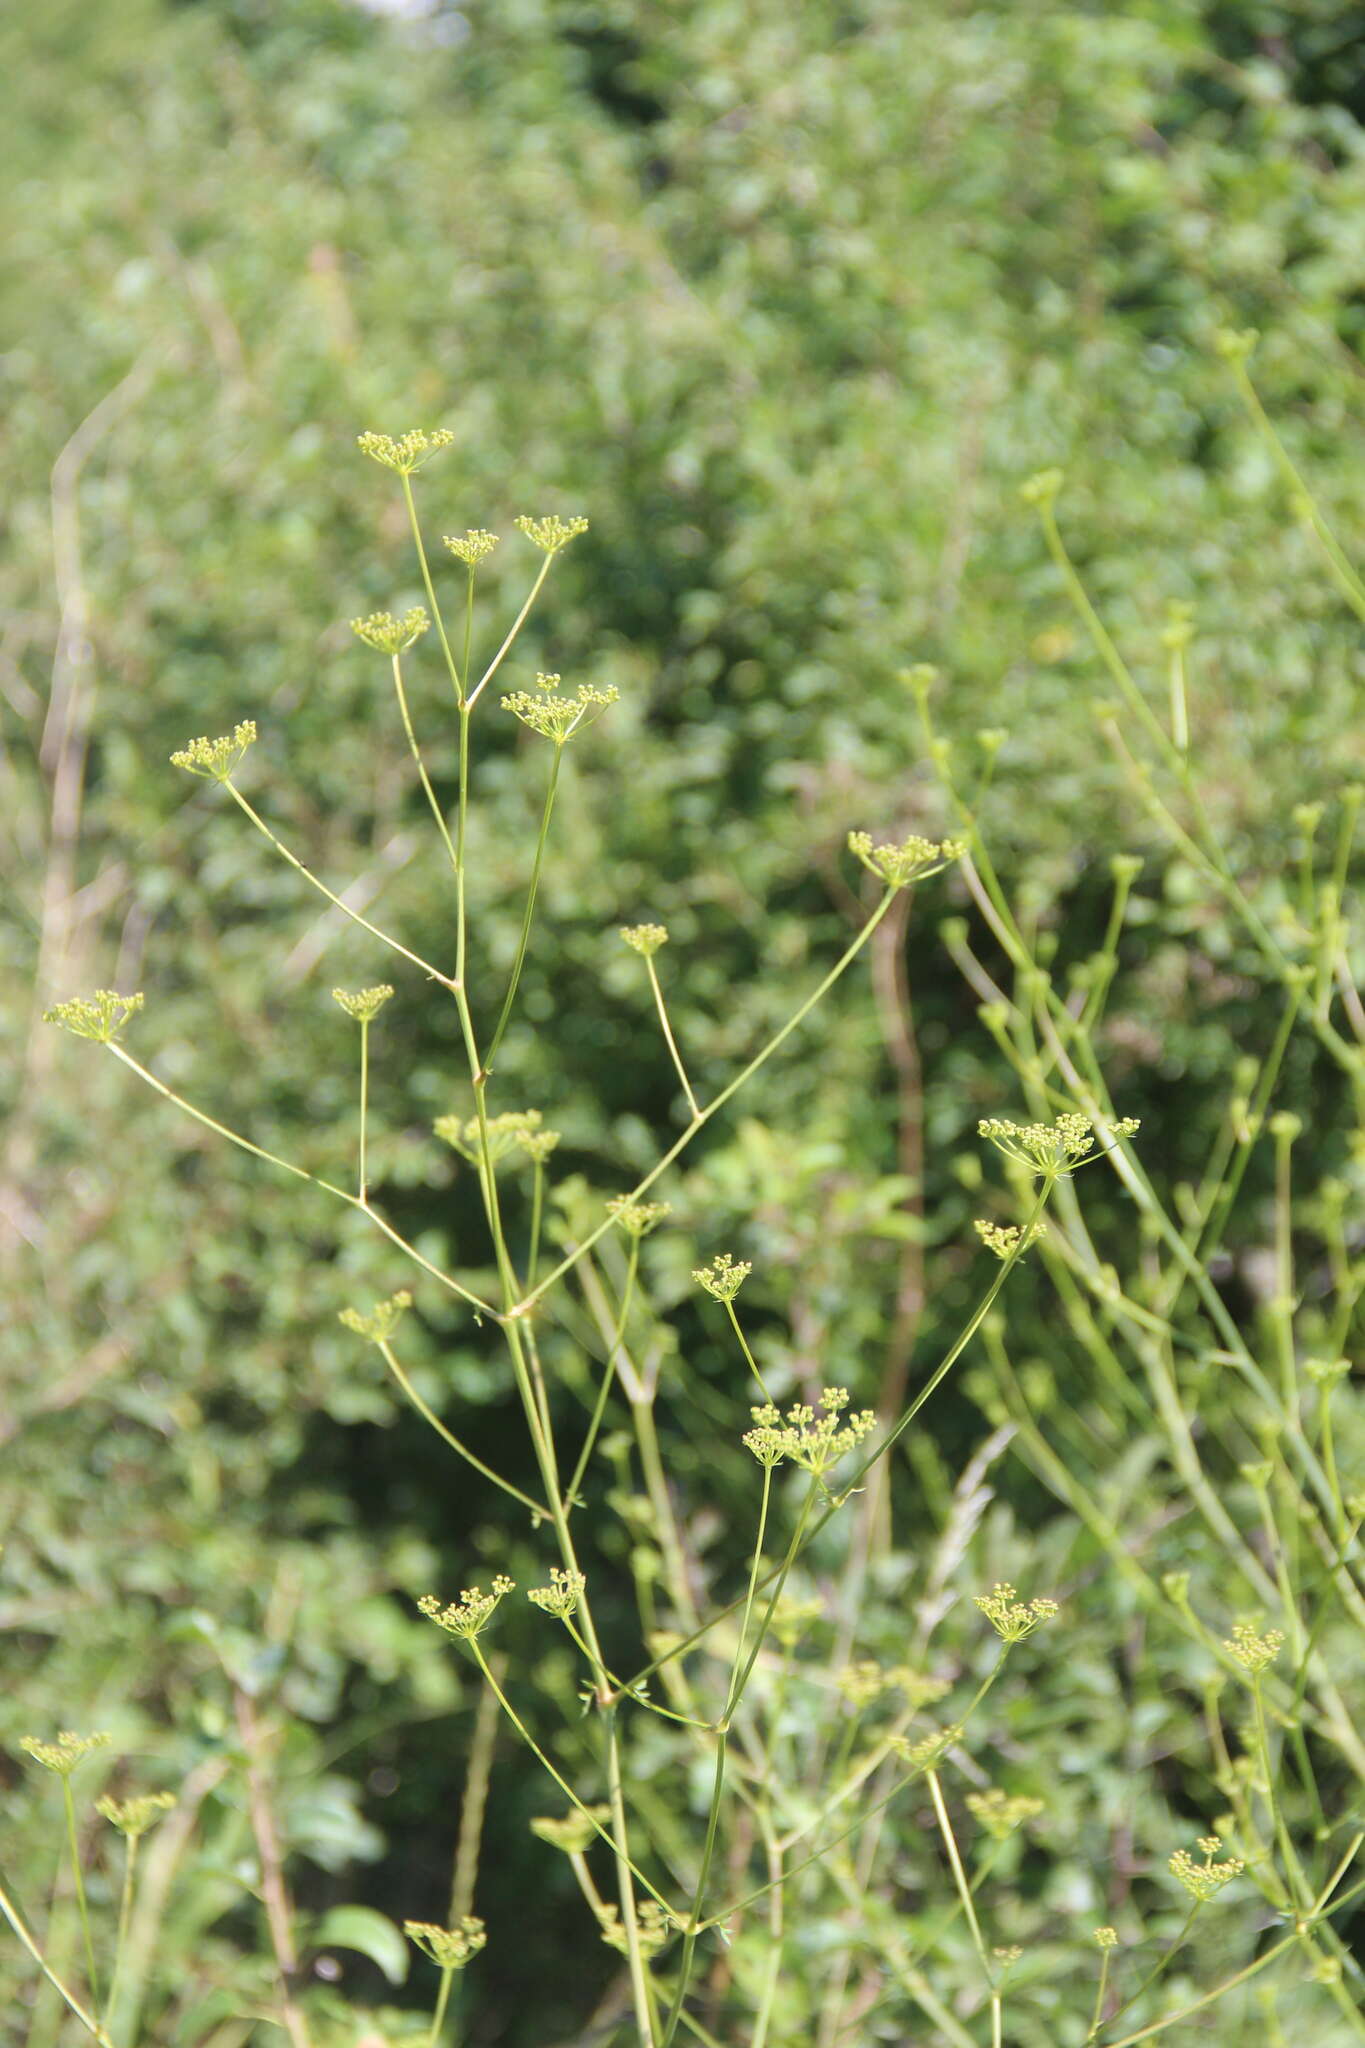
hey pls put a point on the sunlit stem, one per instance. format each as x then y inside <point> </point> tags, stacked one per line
<point>536,1508</point>
<point>608,1374</point>
<point>669,1038</point>
<point>442,1998</point>
<point>964,1890</point>
<point>510,998</point>
<point>1180,739</point>
<point>429,586</point>
<point>364,1096</point>
<point>744,1347</point>
<point>82,1908</point>
<point>130,1843</point>
<point>1101,1992</point>
<point>437,813</point>
<point>373,929</point>
<point>520,620</point>
<point>746,1074</point>
<point>565,1787</point>
<point>300,1173</point>
<point>91,2025</point>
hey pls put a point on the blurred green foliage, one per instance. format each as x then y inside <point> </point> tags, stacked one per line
<point>789,301</point>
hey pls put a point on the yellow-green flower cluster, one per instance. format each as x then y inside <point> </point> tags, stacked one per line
<point>562,1595</point>
<point>390,635</point>
<point>1010,1617</point>
<point>473,547</point>
<point>365,1003</point>
<point>575,1832</point>
<point>724,1277</point>
<point>864,1682</point>
<point>101,1016</point>
<point>538,1145</point>
<point>407,452</point>
<point>552,533</point>
<point>1106,1937</point>
<point>1008,1239</point>
<point>1042,488</point>
<point>1251,1651</point>
<point>815,1442</point>
<point>379,1325</point>
<point>1203,1881</point>
<point>654,1927</point>
<point>1050,1149</point>
<point>1000,1813</point>
<point>63,1755</point>
<point>898,865</point>
<point>512,1131</point>
<point>133,1817</point>
<point>637,1219</point>
<point>216,759</point>
<point>926,1751</point>
<point>645,939</point>
<point>450,1948</point>
<point>470,1614</point>
<point>557,718</point>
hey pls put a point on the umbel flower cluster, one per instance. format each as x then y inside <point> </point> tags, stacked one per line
<point>516,1130</point>
<point>215,760</point>
<point>450,1948</point>
<point>63,1755</point>
<point>637,1219</point>
<point>133,1817</point>
<point>379,1325</point>
<point>1203,1881</point>
<point>1013,1618</point>
<point>471,1613</point>
<point>813,1441</point>
<point>898,865</point>
<point>390,635</point>
<point>101,1016</point>
<point>558,718</point>
<point>1050,1150</point>
<point>363,1004</point>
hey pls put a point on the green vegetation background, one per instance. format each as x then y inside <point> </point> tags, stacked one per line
<point>788,300</point>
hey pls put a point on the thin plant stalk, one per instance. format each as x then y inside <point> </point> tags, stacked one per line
<point>73,1847</point>
<point>338,902</point>
<point>529,914</point>
<point>88,2021</point>
<point>669,1039</point>
<point>130,1846</point>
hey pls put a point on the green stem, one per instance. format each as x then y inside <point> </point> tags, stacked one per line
<point>495,664</point>
<point>447,1978</point>
<point>738,1674</point>
<point>743,1345</point>
<point>437,813</point>
<point>429,587</point>
<point>91,2025</point>
<point>546,814</point>
<point>273,1159</point>
<point>294,862</point>
<point>669,1039</point>
<point>130,1843</point>
<point>1343,575</point>
<point>845,960</point>
<point>364,1098</point>
<point>73,1846</point>
<point>608,1373</point>
<point>537,1508</point>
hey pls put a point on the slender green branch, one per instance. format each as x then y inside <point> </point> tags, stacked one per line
<point>669,1039</point>
<point>760,1059</point>
<point>531,895</point>
<point>338,902</point>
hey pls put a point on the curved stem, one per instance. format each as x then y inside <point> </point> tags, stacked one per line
<point>533,891</point>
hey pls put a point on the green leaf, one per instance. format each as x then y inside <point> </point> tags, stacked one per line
<point>368,1932</point>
